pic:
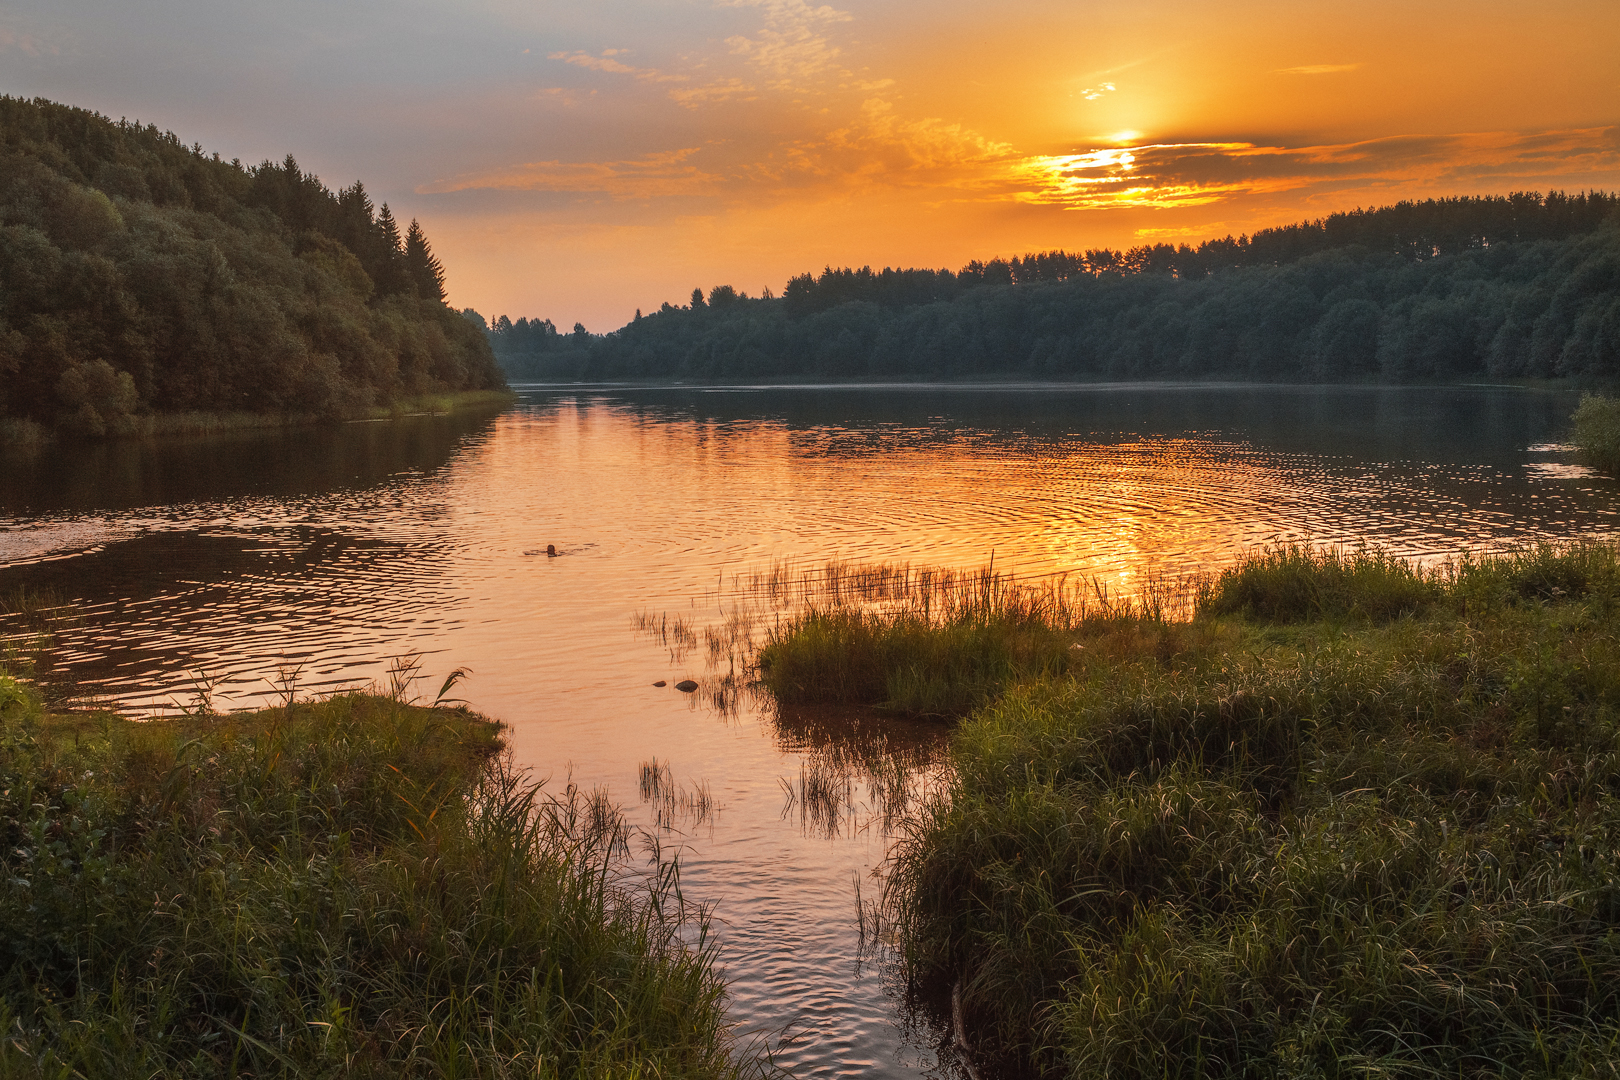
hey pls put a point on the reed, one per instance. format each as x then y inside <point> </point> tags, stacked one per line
<point>356,886</point>
<point>1349,837</point>
<point>935,643</point>
<point>1297,582</point>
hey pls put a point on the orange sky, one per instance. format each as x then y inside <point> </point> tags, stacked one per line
<point>579,161</point>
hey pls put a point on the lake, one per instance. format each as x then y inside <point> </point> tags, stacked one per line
<point>212,568</point>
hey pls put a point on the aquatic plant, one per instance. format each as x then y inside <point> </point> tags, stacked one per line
<point>937,642</point>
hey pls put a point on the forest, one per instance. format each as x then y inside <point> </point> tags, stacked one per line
<point>141,276</point>
<point>1503,287</point>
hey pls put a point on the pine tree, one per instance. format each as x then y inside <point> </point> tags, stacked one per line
<point>357,219</point>
<point>387,265</point>
<point>425,271</point>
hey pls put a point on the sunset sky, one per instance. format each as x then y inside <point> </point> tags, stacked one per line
<point>578,161</point>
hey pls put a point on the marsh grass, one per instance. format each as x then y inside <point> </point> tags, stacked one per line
<point>30,622</point>
<point>941,642</point>
<point>1354,817</point>
<point>351,887</point>
<point>823,798</point>
<point>1292,583</point>
<point>1298,582</point>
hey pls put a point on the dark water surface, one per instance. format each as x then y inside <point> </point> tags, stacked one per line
<point>209,565</point>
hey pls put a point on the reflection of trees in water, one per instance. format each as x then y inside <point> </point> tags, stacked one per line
<point>301,463</point>
<point>166,615</point>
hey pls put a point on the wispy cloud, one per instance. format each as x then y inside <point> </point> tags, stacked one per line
<point>1199,173</point>
<point>1316,69</point>
<point>726,89</point>
<point>654,175</point>
<point>792,50</point>
<point>27,44</point>
<point>879,148</point>
<point>608,61</point>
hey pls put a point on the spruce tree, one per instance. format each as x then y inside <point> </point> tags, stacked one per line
<point>425,271</point>
<point>387,266</point>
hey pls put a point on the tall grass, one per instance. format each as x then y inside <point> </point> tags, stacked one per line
<point>1354,817</point>
<point>937,643</point>
<point>1297,582</point>
<point>353,887</point>
<point>1288,583</point>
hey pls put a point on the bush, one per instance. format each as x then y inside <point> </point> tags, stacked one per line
<point>1596,431</point>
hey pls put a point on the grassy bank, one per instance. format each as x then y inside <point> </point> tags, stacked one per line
<point>1351,818</point>
<point>350,887</point>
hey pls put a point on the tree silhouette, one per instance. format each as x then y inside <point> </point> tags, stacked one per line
<point>425,271</point>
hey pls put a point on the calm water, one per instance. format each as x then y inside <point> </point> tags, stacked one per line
<point>213,564</point>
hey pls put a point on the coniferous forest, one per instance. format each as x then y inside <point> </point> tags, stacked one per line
<point>141,276</point>
<point>1518,286</point>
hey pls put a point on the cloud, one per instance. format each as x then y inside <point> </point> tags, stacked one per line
<point>710,93</point>
<point>606,62</point>
<point>664,173</point>
<point>1196,174</point>
<point>564,95</point>
<point>1316,69</point>
<point>1092,93</point>
<point>691,97</point>
<point>27,44</point>
<point>792,49</point>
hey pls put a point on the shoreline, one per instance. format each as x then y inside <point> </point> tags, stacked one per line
<point>28,434</point>
<point>1010,382</point>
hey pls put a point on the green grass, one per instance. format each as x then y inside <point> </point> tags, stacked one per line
<point>350,887</point>
<point>934,643</point>
<point>1353,817</point>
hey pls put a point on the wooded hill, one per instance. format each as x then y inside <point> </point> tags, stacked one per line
<point>1512,286</point>
<point>139,275</point>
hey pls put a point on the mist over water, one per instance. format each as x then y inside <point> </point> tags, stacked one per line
<point>212,565</point>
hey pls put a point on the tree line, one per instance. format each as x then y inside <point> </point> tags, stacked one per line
<point>1517,286</point>
<point>139,275</point>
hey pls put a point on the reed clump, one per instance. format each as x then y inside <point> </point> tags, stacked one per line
<point>350,887</point>
<point>1350,817</point>
<point>937,643</point>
